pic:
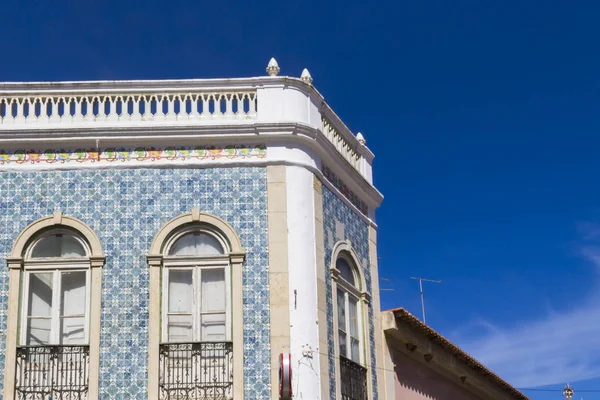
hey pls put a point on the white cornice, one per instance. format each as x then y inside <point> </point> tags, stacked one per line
<point>294,135</point>
<point>281,110</point>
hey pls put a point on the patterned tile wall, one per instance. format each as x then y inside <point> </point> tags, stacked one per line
<point>126,207</point>
<point>357,231</point>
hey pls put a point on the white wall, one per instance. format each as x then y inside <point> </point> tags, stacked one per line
<point>303,283</point>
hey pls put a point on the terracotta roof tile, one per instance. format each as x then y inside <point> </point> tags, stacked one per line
<point>405,316</point>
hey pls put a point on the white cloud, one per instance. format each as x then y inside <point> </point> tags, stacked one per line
<point>559,347</point>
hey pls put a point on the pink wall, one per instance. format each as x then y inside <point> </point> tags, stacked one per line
<point>416,381</point>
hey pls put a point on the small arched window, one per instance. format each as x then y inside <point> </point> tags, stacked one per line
<point>55,305</point>
<point>196,304</point>
<point>349,313</point>
<point>58,244</point>
<point>196,244</point>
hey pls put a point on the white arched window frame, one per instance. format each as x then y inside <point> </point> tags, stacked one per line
<point>196,287</point>
<point>159,255</point>
<point>55,305</point>
<point>22,261</point>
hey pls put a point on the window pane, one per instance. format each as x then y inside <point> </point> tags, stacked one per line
<point>73,293</point>
<point>354,349</point>
<point>184,246</point>
<point>207,245</point>
<point>179,328</point>
<point>40,295</point>
<point>342,343</point>
<point>70,247</point>
<point>196,244</point>
<point>58,245</point>
<point>341,305</point>
<point>213,327</point>
<point>72,330</point>
<point>345,270</point>
<point>352,303</point>
<point>38,331</point>
<point>213,290</point>
<point>180,290</point>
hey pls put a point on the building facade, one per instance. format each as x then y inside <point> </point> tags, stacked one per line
<point>171,239</point>
<point>422,364</point>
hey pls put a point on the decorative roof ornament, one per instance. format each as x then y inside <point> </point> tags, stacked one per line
<point>273,68</point>
<point>361,139</point>
<point>568,392</point>
<point>306,77</point>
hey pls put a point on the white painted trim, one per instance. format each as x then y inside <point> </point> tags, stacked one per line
<point>293,136</point>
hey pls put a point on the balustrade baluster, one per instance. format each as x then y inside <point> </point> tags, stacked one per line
<point>171,107</point>
<point>228,105</point>
<point>205,106</point>
<point>136,115</point>
<point>19,117</point>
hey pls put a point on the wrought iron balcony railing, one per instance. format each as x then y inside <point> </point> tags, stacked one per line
<point>52,373</point>
<point>196,371</point>
<point>354,380</point>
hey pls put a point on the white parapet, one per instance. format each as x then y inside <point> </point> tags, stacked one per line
<point>53,108</point>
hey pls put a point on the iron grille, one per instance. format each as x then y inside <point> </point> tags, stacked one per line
<point>196,371</point>
<point>52,372</point>
<point>354,380</point>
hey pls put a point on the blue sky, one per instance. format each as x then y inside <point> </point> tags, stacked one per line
<point>483,116</point>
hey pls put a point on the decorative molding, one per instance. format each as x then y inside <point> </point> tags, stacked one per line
<point>294,136</point>
<point>14,262</point>
<point>341,186</point>
<point>112,155</point>
<point>65,220</point>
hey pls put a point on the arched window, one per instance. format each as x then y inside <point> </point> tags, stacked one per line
<point>196,309</point>
<point>349,310</point>
<point>55,305</point>
<point>350,299</point>
<point>196,276</point>
<point>53,324</point>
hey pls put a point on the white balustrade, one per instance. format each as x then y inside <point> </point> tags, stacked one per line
<point>343,146</point>
<point>82,105</point>
<point>106,108</point>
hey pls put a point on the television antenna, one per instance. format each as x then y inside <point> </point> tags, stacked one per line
<point>421,280</point>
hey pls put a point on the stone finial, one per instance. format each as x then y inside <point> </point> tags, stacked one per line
<point>306,76</point>
<point>273,68</point>
<point>361,139</point>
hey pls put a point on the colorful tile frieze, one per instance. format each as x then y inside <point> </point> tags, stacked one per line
<point>341,186</point>
<point>52,156</point>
